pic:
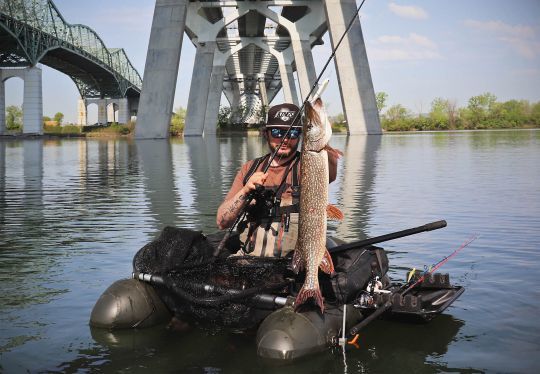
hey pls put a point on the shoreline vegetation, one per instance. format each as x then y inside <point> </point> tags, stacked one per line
<point>483,112</point>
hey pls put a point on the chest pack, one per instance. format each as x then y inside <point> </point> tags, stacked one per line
<point>272,222</point>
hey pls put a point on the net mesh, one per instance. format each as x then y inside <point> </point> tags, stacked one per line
<point>218,290</point>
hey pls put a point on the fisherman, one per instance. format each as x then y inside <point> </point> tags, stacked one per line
<point>275,235</point>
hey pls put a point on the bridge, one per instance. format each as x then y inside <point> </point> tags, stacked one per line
<point>34,31</point>
<point>249,50</point>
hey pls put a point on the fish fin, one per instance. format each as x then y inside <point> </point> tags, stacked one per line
<point>334,213</point>
<point>306,294</point>
<point>297,261</point>
<point>335,153</point>
<point>326,264</point>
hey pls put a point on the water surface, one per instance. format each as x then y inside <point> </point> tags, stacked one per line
<point>74,212</point>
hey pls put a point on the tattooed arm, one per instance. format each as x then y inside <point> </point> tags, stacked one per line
<point>232,206</point>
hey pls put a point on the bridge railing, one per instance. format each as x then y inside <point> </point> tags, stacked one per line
<point>43,15</point>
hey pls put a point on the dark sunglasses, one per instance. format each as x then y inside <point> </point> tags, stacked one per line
<point>280,133</point>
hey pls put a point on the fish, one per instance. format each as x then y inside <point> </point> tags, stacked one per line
<point>310,252</point>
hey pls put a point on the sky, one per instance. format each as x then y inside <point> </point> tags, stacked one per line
<point>417,50</point>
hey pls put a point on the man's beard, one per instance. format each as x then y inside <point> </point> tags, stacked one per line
<point>283,153</point>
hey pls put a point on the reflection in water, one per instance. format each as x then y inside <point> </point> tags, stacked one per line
<point>359,167</point>
<point>205,172</point>
<point>155,159</point>
<point>419,347</point>
<point>73,213</point>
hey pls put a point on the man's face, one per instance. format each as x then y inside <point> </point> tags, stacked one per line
<point>275,135</point>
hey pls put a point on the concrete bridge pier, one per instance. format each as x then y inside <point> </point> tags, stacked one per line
<point>102,111</point>
<point>286,74</point>
<point>305,66</point>
<point>123,111</point>
<point>161,69</point>
<point>2,106</point>
<point>214,98</point>
<point>32,99</point>
<point>81,112</point>
<point>33,102</point>
<point>352,68</point>
<point>199,90</point>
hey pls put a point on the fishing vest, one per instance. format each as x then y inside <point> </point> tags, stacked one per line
<point>276,235</point>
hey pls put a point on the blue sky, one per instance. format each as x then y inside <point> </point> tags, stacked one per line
<point>418,50</point>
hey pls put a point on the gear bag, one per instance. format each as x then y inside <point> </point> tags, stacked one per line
<point>353,271</point>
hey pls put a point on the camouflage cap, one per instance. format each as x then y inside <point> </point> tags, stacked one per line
<point>282,115</point>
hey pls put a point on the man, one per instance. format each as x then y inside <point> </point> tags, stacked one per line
<point>273,236</point>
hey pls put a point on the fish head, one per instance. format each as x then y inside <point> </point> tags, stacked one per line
<point>316,128</point>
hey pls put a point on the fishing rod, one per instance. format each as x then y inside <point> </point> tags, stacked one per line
<point>315,84</point>
<point>273,155</point>
<point>439,264</point>
<point>388,304</point>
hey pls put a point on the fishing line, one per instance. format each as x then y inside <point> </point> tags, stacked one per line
<point>440,263</point>
<point>315,84</point>
<point>295,118</point>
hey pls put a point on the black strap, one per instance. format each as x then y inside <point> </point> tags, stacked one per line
<point>254,166</point>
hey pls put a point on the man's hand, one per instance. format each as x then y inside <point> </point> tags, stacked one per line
<point>257,179</point>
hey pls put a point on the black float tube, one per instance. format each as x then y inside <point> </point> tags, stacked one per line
<point>395,235</point>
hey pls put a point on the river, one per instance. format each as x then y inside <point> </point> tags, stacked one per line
<point>73,212</point>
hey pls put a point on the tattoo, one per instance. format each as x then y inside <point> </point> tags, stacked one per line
<point>233,208</point>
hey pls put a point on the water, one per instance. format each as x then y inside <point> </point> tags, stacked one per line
<point>74,212</point>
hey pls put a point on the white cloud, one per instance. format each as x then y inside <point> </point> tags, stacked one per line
<point>403,48</point>
<point>501,28</point>
<point>522,39</point>
<point>408,11</point>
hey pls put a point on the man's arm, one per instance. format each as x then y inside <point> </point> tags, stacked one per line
<point>232,206</point>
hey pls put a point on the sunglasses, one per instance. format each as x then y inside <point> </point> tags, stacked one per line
<point>280,133</point>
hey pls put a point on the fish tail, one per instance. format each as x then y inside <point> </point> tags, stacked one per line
<point>326,264</point>
<point>306,294</point>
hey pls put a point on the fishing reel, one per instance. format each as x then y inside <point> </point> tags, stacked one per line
<point>261,206</point>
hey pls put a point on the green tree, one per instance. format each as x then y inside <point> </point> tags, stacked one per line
<point>14,117</point>
<point>397,118</point>
<point>59,117</point>
<point>46,118</point>
<point>479,109</point>
<point>535,114</point>
<point>178,121</point>
<point>381,100</point>
<point>439,113</point>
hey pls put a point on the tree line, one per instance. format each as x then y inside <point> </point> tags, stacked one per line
<point>482,112</point>
<point>14,118</point>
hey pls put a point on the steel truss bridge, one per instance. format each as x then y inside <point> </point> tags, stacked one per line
<point>34,31</point>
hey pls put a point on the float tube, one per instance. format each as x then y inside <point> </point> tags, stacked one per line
<point>360,286</point>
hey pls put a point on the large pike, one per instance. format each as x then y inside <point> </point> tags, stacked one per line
<point>310,252</point>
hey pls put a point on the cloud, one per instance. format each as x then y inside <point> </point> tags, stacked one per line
<point>403,48</point>
<point>408,11</point>
<point>522,39</point>
<point>501,28</point>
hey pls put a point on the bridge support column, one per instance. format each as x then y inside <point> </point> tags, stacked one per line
<point>214,99</point>
<point>82,112</point>
<point>262,91</point>
<point>305,66</point>
<point>199,91</point>
<point>2,106</point>
<point>123,111</point>
<point>287,83</point>
<point>161,69</point>
<point>352,67</point>
<point>102,111</point>
<point>32,102</point>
